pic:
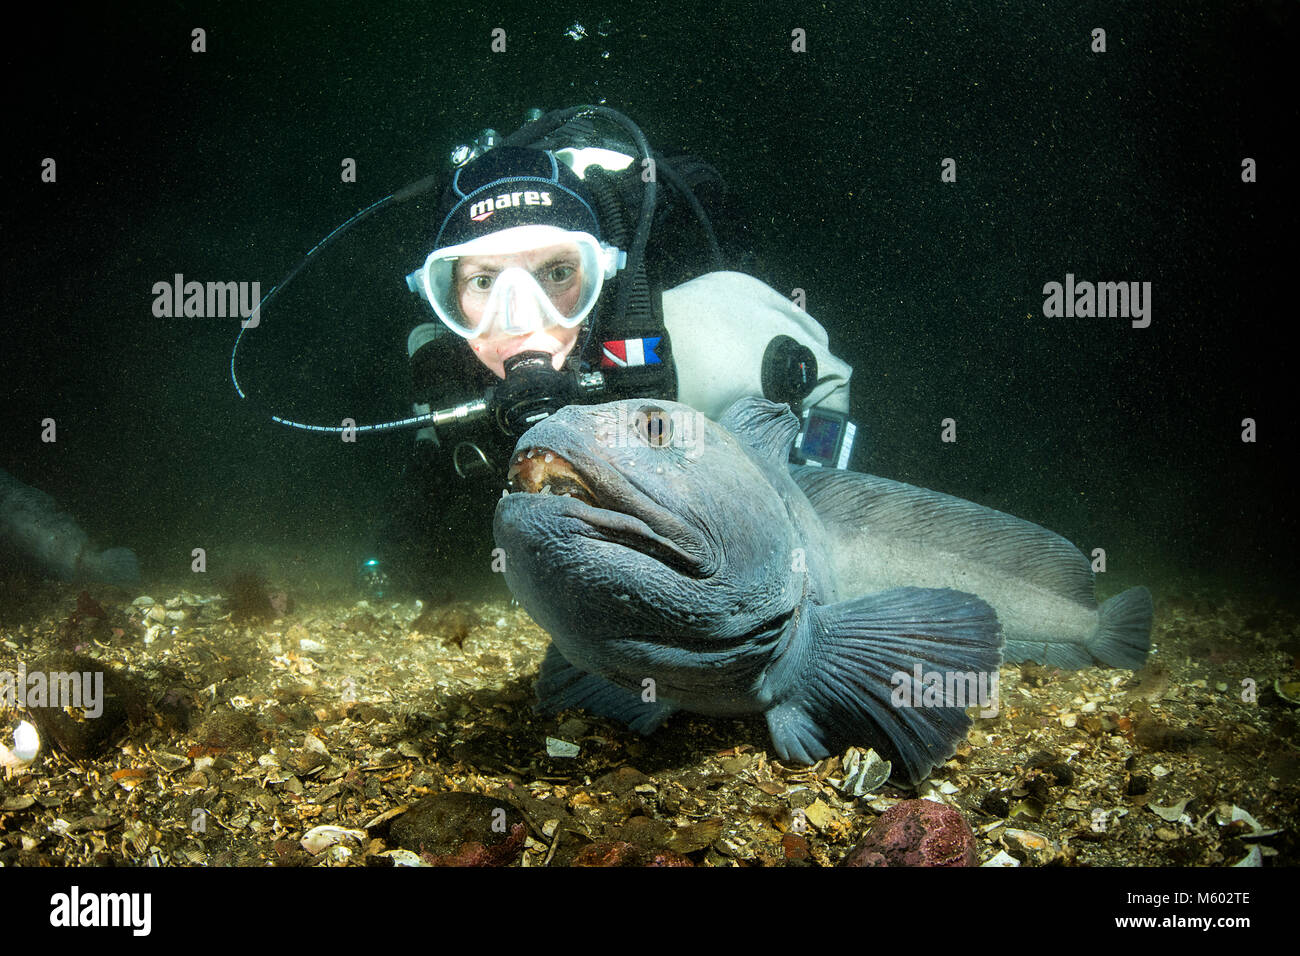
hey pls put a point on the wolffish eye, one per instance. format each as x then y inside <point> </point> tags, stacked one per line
<point>654,425</point>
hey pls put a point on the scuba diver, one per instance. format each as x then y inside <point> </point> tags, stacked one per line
<point>570,263</point>
<point>547,291</point>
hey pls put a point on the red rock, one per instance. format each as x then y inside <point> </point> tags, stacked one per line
<point>606,854</point>
<point>476,854</point>
<point>916,833</point>
<point>622,853</point>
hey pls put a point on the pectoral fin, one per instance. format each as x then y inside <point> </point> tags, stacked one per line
<point>839,681</point>
<point>560,685</point>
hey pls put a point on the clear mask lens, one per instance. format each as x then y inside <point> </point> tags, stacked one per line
<point>517,281</point>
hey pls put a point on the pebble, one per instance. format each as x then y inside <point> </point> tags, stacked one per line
<point>821,816</point>
<point>80,738</point>
<point>864,773</point>
<point>1228,815</point>
<point>1029,808</point>
<point>994,805</point>
<point>1253,858</point>
<point>1003,858</point>
<point>458,828</point>
<point>403,857</point>
<point>574,727</point>
<point>1029,839</point>
<point>621,781</point>
<point>561,748</point>
<point>319,839</point>
<point>169,761</point>
<point>27,743</point>
<point>1171,813</point>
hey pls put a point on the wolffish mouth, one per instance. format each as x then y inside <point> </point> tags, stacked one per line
<point>542,471</point>
<point>621,513</point>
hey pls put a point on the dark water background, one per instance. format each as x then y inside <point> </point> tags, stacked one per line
<point>1123,166</point>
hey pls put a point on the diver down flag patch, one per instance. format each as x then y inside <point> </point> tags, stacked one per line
<point>626,353</point>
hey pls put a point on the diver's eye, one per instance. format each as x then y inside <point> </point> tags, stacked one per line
<point>654,425</point>
<point>559,274</point>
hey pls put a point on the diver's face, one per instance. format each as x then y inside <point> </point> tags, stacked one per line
<point>520,323</point>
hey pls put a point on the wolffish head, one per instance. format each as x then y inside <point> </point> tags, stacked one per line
<point>641,520</point>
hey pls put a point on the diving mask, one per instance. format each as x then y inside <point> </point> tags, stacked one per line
<point>516,281</point>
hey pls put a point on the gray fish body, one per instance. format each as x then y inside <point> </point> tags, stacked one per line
<point>884,534</point>
<point>33,527</point>
<point>695,575</point>
<point>692,568</point>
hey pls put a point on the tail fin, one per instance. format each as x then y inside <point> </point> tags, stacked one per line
<point>848,676</point>
<point>1123,634</point>
<point>117,566</point>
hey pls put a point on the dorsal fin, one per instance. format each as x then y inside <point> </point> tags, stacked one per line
<point>764,426</point>
<point>952,525</point>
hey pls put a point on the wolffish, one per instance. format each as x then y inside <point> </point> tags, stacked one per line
<point>679,564</point>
